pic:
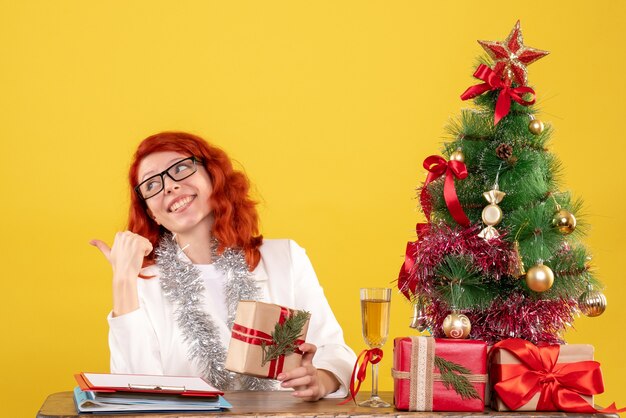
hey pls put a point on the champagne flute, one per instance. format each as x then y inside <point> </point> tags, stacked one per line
<point>375,303</point>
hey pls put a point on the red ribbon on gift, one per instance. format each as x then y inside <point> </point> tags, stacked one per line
<point>560,385</point>
<point>373,355</point>
<point>256,337</point>
<point>493,82</point>
<point>436,167</point>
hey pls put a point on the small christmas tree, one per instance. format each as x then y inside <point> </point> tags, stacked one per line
<point>501,252</point>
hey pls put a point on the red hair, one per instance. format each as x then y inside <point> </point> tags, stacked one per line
<point>236,223</point>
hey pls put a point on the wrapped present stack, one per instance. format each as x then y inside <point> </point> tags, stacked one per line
<point>447,374</point>
<point>499,260</point>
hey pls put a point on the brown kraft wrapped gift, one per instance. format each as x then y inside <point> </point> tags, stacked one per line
<point>569,353</point>
<point>265,338</point>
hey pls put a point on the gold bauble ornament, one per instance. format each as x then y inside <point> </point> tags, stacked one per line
<point>564,221</point>
<point>539,278</point>
<point>592,302</point>
<point>535,126</point>
<point>457,155</point>
<point>456,325</point>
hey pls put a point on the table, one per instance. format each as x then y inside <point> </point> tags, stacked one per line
<point>282,404</point>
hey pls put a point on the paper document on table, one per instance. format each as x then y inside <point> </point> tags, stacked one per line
<point>183,385</point>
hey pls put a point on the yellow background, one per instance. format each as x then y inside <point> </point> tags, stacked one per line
<point>330,107</point>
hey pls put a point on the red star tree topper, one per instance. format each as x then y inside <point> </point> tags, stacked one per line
<point>512,56</point>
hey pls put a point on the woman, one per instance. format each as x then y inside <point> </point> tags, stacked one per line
<point>191,252</point>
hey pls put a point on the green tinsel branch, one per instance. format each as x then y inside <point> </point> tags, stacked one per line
<point>284,336</point>
<point>452,376</point>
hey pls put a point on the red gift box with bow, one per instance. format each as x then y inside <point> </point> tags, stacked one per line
<point>420,384</point>
<point>526,377</point>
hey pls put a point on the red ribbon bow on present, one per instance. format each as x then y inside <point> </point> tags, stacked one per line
<point>493,82</point>
<point>373,355</point>
<point>560,385</point>
<point>436,167</point>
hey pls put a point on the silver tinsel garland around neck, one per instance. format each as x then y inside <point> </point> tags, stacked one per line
<point>182,285</point>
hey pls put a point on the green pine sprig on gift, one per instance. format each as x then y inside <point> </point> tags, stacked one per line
<point>284,337</point>
<point>453,376</point>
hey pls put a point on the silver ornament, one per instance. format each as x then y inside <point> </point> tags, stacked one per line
<point>416,320</point>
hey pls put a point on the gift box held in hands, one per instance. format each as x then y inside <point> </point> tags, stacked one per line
<point>437,374</point>
<point>265,339</point>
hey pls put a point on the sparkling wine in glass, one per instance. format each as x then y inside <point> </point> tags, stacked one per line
<point>375,304</point>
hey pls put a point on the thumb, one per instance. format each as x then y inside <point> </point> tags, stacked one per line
<point>103,247</point>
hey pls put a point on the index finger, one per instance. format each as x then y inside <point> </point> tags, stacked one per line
<point>309,352</point>
<point>102,246</point>
<point>147,248</point>
<point>293,374</point>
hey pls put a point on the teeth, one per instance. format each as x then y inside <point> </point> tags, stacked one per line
<point>180,203</point>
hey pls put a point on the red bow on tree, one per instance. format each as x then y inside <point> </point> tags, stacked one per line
<point>560,385</point>
<point>436,167</point>
<point>404,282</point>
<point>493,82</point>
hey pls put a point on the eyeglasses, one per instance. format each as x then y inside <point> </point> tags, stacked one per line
<point>154,185</point>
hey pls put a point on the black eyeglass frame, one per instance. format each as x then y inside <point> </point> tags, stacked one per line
<point>162,176</point>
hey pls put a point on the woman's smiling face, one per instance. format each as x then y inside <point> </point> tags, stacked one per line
<point>182,205</point>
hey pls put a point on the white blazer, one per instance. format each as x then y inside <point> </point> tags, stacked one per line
<point>149,340</point>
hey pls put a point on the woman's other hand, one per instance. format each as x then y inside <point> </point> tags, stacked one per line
<point>126,258</point>
<point>308,382</point>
